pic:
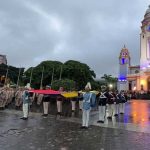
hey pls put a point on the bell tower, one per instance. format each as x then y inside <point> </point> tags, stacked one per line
<point>124,63</point>
<point>145,42</point>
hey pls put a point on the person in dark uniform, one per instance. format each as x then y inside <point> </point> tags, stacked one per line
<point>46,99</point>
<point>110,102</point>
<point>80,98</point>
<point>102,104</point>
<point>122,102</point>
<point>116,104</point>
<point>59,101</point>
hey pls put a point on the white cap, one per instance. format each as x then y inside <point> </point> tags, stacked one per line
<point>28,86</point>
<point>88,85</point>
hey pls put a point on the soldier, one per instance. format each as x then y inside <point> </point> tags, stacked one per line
<point>116,109</point>
<point>18,98</point>
<point>6,93</point>
<point>46,99</point>
<point>80,98</point>
<point>102,104</point>
<point>26,101</point>
<point>87,102</point>
<point>59,100</point>
<point>2,99</point>
<point>122,102</point>
<point>73,104</point>
<point>39,98</point>
<point>111,100</point>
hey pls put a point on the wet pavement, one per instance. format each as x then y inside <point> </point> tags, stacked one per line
<point>130,131</point>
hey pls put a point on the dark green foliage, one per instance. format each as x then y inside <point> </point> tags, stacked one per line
<point>13,72</point>
<point>68,85</point>
<point>72,70</point>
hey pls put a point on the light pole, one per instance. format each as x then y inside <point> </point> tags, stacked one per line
<point>31,75</point>
<point>110,86</point>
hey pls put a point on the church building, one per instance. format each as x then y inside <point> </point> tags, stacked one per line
<point>136,78</point>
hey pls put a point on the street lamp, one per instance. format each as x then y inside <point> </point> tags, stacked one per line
<point>110,86</point>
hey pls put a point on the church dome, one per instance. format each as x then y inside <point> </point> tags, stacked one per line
<point>148,10</point>
<point>124,53</point>
<point>146,19</point>
<point>147,14</point>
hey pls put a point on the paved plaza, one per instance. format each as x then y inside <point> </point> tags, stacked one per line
<point>130,131</point>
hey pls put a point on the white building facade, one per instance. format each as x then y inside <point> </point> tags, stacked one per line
<point>3,59</point>
<point>138,77</point>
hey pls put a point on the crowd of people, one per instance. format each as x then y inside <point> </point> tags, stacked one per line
<point>113,101</point>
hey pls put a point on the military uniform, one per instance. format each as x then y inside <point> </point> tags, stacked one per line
<point>102,104</point>
<point>116,106</point>
<point>110,101</point>
<point>80,98</point>
<point>59,100</point>
<point>26,101</point>
<point>46,99</point>
<point>73,104</point>
<point>18,98</point>
<point>122,102</point>
<point>39,98</point>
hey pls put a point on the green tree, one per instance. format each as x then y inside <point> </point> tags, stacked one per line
<point>72,70</point>
<point>67,84</point>
<point>110,80</point>
<point>49,69</point>
<point>78,72</point>
<point>13,73</point>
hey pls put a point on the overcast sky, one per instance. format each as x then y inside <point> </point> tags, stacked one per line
<point>90,31</point>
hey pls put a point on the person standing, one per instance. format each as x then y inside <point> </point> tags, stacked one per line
<point>80,99</point>
<point>87,100</point>
<point>116,107</point>
<point>26,102</point>
<point>122,102</point>
<point>46,100</point>
<point>102,104</point>
<point>111,99</point>
<point>59,101</point>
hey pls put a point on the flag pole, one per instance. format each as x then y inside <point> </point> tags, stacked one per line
<point>18,77</point>
<point>6,75</point>
<point>60,73</point>
<point>31,76</point>
<point>52,76</point>
<point>41,85</point>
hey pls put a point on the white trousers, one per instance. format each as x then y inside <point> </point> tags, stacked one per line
<point>110,110</point>
<point>80,105</point>
<point>73,104</point>
<point>59,106</point>
<point>85,117</point>
<point>25,110</point>
<point>116,110</point>
<point>121,107</point>
<point>45,107</point>
<point>102,112</point>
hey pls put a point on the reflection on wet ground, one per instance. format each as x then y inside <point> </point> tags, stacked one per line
<point>136,117</point>
<point>53,133</point>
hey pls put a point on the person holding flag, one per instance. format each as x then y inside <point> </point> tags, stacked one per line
<point>88,102</point>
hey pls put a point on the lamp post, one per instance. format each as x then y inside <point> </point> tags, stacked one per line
<point>6,76</point>
<point>110,86</point>
<point>41,85</point>
<point>18,77</point>
<point>31,76</point>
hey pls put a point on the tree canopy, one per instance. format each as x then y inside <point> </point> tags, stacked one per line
<point>76,71</point>
<point>13,73</point>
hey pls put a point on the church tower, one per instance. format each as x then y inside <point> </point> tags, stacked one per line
<point>124,63</point>
<point>145,42</point>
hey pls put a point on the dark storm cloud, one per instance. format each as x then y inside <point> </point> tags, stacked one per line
<point>92,32</point>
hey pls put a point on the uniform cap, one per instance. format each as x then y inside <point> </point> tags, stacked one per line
<point>88,85</point>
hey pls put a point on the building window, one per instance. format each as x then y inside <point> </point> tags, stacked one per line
<point>136,71</point>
